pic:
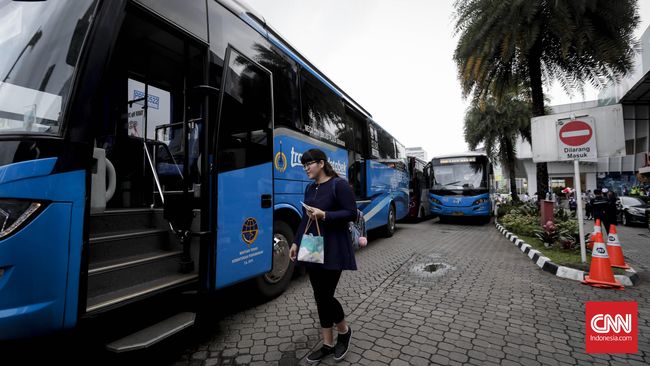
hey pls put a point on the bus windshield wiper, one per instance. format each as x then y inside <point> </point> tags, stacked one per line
<point>452,183</point>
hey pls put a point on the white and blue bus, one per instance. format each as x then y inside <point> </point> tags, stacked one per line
<point>463,185</point>
<point>149,147</point>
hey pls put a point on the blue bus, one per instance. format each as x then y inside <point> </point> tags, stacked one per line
<point>463,185</point>
<point>151,147</point>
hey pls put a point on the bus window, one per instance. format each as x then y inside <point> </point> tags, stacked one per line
<point>245,128</point>
<point>286,99</point>
<point>400,150</point>
<point>322,111</point>
<point>386,145</point>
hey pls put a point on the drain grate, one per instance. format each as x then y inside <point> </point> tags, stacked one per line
<point>432,267</point>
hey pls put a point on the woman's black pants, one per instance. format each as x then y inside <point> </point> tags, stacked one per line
<point>324,282</point>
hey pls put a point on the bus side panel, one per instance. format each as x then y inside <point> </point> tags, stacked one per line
<point>39,284</point>
<point>401,194</point>
<point>376,212</point>
<point>290,180</point>
<point>384,185</point>
<point>289,146</point>
<point>244,227</point>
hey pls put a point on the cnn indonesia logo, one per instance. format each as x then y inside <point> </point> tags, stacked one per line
<point>611,327</point>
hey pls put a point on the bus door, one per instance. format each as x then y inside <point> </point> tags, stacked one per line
<point>244,153</point>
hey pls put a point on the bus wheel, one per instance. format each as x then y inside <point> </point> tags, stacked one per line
<point>274,282</point>
<point>389,228</point>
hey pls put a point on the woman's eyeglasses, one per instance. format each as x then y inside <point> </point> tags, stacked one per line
<point>307,165</point>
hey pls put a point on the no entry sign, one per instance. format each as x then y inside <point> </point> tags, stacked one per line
<point>576,139</point>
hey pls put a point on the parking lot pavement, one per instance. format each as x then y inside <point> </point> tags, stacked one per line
<point>635,241</point>
<point>487,304</point>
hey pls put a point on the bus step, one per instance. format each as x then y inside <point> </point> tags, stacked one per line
<point>125,220</point>
<point>116,265</point>
<point>128,244</point>
<point>153,334</point>
<point>131,272</point>
<point>110,300</point>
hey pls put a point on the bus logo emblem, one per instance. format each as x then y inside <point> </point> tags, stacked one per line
<point>280,162</point>
<point>249,231</point>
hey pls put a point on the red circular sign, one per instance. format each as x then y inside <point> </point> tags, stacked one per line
<point>576,133</point>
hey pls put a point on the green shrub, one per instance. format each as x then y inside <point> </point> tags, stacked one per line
<point>520,224</point>
<point>505,208</point>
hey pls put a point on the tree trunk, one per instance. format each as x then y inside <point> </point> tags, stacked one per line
<point>510,165</point>
<point>537,96</point>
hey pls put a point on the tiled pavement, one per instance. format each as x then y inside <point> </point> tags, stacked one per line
<point>491,306</point>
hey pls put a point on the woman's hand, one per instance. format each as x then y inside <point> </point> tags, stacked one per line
<point>293,252</point>
<point>316,214</point>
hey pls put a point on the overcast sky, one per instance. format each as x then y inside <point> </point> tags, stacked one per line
<point>394,58</point>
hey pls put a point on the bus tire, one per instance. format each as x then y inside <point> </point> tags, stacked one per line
<point>274,282</point>
<point>389,229</point>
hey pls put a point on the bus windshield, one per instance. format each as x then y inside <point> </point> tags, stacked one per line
<point>40,43</point>
<point>460,176</point>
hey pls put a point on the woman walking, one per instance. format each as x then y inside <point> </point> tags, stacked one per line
<point>330,201</point>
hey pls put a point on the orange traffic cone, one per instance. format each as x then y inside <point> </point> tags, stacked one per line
<point>600,271</point>
<point>597,229</point>
<point>615,250</point>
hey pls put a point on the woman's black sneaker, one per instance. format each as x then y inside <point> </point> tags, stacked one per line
<point>342,345</point>
<point>320,354</point>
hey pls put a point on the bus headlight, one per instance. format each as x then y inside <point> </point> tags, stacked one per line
<point>479,201</point>
<point>436,201</point>
<point>14,213</point>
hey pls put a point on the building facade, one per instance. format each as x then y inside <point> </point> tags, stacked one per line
<point>417,152</point>
<point>616,173</point>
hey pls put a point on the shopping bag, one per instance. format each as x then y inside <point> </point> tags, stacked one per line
<point>312,248</point>
<point>358,231</point>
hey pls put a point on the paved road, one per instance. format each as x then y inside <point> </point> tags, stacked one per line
<point>492,305</point>
<point>635,241</point>
<point>488,304</point>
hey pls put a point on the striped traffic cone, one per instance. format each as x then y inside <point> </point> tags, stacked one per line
<point>600,270</point>
<point>597,229</point>
<point>615,250</point>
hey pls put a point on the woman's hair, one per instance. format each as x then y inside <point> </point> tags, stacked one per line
<point>318,155</point>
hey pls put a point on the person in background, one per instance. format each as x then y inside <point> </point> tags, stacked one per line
<point>525,197</point>
<point>573,204</point>
<point>587,201</point>
<point>611,213</point>
<point>598,205</point>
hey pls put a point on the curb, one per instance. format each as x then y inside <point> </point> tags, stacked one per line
<point>631,278</point>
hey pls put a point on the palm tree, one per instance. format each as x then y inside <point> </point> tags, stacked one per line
<point>505,43</point>
<point>497,126</point>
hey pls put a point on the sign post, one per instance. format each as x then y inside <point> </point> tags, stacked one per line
<point>574,136</point>
<point>577,141</point>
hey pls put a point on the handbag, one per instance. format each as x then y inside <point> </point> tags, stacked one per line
<point>312,247</point>
<point>358,231</point>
